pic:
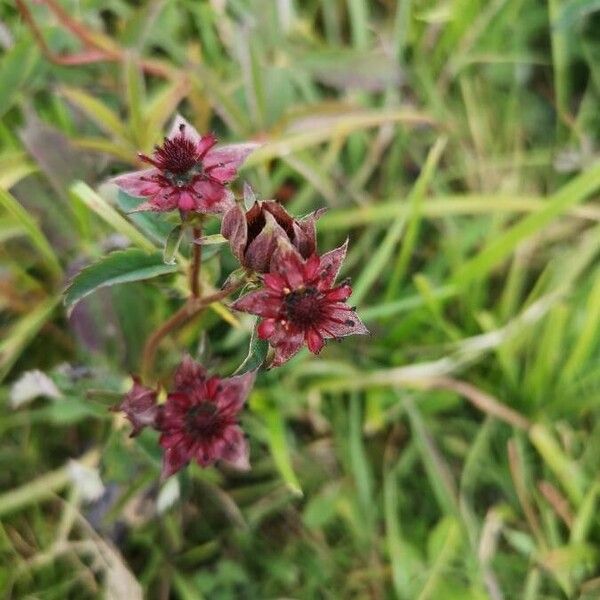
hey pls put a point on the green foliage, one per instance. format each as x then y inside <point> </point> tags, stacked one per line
<point>123,266</point>
<point>456,144</point>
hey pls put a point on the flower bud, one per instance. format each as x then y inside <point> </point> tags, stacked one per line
<point>255,234</point>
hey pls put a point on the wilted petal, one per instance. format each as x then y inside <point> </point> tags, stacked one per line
<point>261,303</point>
<point>331,263</point>
<point>236,451</point>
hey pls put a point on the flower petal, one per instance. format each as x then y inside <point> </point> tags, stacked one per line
<point>232,155</point>
<point>186,201</point>
<point>289,264</point>
<point>330,265</point>
<point>314,340</point>
<point>339,294</point>
<point>188,374</point>
<point>306,234</point>
<point>274,282</point>
<point>174,459</point>
<point>235,229</point>
<point>213,197</point>
<point>340,322</point>
<point>236,451</point>
<point>259,252</point>
<point>136,183</point>
<point>266,328</point>
<point>139,406</point>
<point>189,130</point>
<point>234,391</point>
<point>261,302</point>
<point>285,346</point>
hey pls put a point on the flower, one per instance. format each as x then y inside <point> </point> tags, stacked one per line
<point>187,172</point>
<point>299,303</point>
<point>254,235</point>
<point>199,419</point>
<point>139,406</point>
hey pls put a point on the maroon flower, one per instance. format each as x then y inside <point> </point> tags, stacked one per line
<point>254,235</point>
<point>299,303</point>
<point>199,419</point>
<point>188,173</point>
<point>139,406</point>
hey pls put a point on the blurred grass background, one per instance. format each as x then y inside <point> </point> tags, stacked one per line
<point>454,454</point>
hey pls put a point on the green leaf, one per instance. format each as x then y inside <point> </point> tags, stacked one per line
<point>38,239</point>
<point>96,203</point>
<point>14,166</point>
<point>172,245</point>
<point>97,111</point>
<point>25,329</point>
<point>574,192</point>
<point>152,224</point>
<point>16,66</point>
<point>257,353</point>
<point>265,407</point>
<point>122,266</point>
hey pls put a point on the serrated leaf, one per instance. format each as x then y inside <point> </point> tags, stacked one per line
<point>172,245</point>
<point>123,266</point>
<point>257,353</point>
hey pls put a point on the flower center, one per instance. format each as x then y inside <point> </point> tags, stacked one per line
<point>303,306</point>
<point>204,420</point>
<point>178,159</point>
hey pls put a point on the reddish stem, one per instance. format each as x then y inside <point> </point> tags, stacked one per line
<point>94,50</point>
<point>192,308</point>
<point>196,263</point>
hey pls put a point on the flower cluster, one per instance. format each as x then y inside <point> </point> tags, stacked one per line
<point>197,421</point>
<point>295,294</point>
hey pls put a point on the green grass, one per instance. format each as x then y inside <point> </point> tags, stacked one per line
<point>452,455</point>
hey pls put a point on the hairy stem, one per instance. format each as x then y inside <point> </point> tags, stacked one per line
<point>196,263</point>
<point>193,307</point>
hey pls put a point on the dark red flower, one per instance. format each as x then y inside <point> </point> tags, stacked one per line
<point>254,235</point>
<point>299,303</point>
<point>188,173</point>
<point>199,419</point>
<point>139,406</point>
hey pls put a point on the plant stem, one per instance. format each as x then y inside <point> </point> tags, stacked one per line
<point>195,287</point>
<point>190,309</point>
